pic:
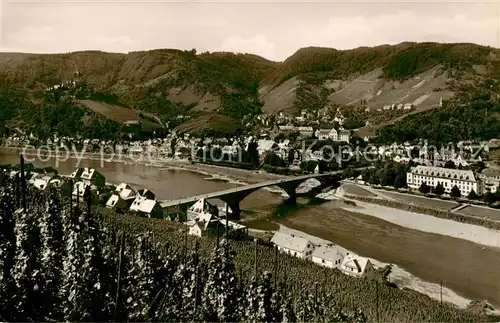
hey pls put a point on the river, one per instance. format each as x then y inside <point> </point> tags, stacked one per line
<point>166,183</point>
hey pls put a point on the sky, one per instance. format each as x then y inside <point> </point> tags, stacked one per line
<point>274,30</point>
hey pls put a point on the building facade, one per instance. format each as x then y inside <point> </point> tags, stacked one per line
<point>354,265</point>
<point>327,256</point>
<point>465,180</point>
<point>293,245</point>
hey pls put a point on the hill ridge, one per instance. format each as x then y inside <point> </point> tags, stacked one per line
<point>174,82</point>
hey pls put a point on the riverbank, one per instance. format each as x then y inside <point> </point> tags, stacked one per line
<point>233,175</point>
<point>398,275</point>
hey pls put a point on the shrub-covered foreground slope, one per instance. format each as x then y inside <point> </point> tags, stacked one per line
<point>62,262</point>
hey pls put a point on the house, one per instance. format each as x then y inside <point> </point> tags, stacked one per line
<point>264,146</point>
<point>306,131</point>
<point>344,135</point>
<point>79,189</point>
<point>465,180</point>
<point>233,226</point>
<point>286,129</point>
<point>15,173</point>
<point>293,245</point>
<point>144,192</point>
<point>328,256</point>
<point>77,173</point>
<point>322,134</point>
<point>407,106</point>
<point>147,207</point>
<point>200,207</point>
<point>40,184</point>
<point>202,224</point>
<point>333,135</point>
<point>125,191</point>
<point>491,179</point>
<point>354,265</point>
<point>119,203</point>
<point>91,176</point>
<point>56,182</point>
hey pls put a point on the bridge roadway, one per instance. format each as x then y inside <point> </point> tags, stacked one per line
<point>234,196</point>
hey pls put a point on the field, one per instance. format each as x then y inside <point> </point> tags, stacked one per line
<point>209,123</point>
<point>481,212</point>
<point>467,268</point>
<point>117,113</point>
<point>423,201</point>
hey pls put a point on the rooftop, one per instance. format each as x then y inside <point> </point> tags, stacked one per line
<point>290,241</point>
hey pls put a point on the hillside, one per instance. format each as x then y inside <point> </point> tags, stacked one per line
<point>227,86</point>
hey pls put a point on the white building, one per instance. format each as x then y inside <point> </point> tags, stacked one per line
<point>79,189</point>
<point>148,207</point>
<point>77,173</point>
<point>202,223</point>
<point>328,256</point>
<point>293,245</point>
<point>306,131</point>
<point>354,265</point>
<point>125,191</point>
<point>465,180</point>
<point>344,136</point>
<point>322,134</point>
<point>90,176</point>
<point>122,198</point>
<point>491,179</point>
<point>200,207</point>
<point>333,134</point>
<point>265,145</point>
<point>117,202</point>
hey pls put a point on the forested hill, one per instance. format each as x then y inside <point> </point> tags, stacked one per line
<point>225,87</point>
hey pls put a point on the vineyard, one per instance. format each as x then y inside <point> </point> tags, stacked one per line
<point>65,262</point>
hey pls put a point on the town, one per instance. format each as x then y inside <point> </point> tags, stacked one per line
<point>459,169</point>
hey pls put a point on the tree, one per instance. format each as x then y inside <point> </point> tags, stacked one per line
<point>308,166</point>
<point>455,192</point>
<point>450,164</point>
<point>252,153</point>
<point>279,137</point>
<point>489,198</point>
<point>374,179</point>
<point>424,188</point>
<point>386,178</point>
<point>291,156</point>
<point>472,195</point>
<point>272,159</point>
<point>400,181</point>
<point>439,189</point>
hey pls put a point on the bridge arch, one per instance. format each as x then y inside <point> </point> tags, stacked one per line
<point>234,196</point>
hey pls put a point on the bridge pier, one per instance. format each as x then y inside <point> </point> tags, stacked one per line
<point>291,190</point>
<point>233,201</point>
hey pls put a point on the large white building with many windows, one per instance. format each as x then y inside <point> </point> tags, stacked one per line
<point>465,180</point>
